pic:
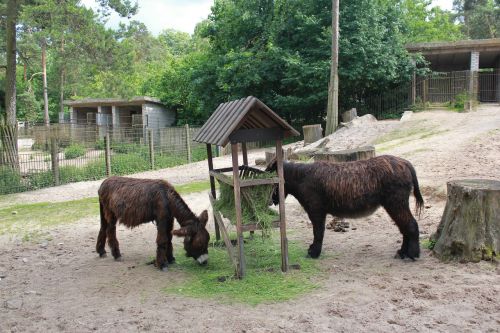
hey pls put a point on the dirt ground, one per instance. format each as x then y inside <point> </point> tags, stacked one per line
<point>62,285</point>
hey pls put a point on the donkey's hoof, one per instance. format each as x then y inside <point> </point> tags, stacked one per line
<point>164,269</point>
<point>103,255</point>
<point>399,255</point>
<point>119,258</point>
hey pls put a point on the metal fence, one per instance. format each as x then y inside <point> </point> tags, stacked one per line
<point>64,153</point>
<point>435,88</point>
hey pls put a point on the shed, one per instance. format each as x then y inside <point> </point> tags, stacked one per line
<point>143,111</point>
<point>238,122</point>
<point>471,66</point>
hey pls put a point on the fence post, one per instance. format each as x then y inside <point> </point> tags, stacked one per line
<point>151,149</point>
<point>54,160</point>
<point>188,143</point>
<point>107,142</point>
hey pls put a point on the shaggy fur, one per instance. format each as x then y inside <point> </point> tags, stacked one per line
<point>356,189</point>
<point>132,202</point>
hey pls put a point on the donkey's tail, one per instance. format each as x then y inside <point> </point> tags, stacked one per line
<point>419,201</point>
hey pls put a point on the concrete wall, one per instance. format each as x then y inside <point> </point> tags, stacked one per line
<point>156,116</point>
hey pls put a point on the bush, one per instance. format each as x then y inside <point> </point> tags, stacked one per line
<point>73,151</point>
<point>10,181</point>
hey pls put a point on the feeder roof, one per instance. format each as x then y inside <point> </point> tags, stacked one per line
<point>245,113</point>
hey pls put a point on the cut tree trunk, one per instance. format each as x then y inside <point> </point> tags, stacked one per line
<point>349,115</point>
<point>312,133</point>
<point>470,226</point>
<point>361,153</point>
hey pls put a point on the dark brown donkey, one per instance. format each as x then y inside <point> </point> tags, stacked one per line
<point>356,189</point>
<point>132,202</point>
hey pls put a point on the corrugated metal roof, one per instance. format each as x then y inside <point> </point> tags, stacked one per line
<point>245,113</point>
<point>139,100</point>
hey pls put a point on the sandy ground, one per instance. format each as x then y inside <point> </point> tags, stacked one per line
<point>61,285</point>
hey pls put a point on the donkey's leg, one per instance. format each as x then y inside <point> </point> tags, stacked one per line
<point>112,241</point>
<point>318,222</point>
<point>101,238</point>
<point>170,249</point>
<point>162,244</point>
<point>399,211</point>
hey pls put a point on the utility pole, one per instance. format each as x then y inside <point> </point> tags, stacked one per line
<point>332,110</point>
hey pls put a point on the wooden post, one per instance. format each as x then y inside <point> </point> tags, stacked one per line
<point>349,155</point>
<point>212,186</point>
<point>237,207</point>
<point>151,149</point>
<point>54,160</point>
<point>188,143</point>
<point>107,155</point>
<point>281,193</point>
<point>312,133</point>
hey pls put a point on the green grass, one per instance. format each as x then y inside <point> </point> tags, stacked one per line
<point>402,137</point>
<point>26,219</point>
<point>263,283</point>
<point>193,187</point>
<point>428,243</point>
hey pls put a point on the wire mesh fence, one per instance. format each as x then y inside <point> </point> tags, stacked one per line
<point>64,153</point>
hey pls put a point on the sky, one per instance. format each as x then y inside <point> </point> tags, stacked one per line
<point>182,15</point>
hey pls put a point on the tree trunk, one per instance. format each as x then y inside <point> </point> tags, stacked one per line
<point>10,77</point>
<point>470,226</point>
<point>62,77</point>
<point>45,95</point>
<point>312,133</point>
<point>332,110</point>
<point>8,131</point>
<point>361,153</point>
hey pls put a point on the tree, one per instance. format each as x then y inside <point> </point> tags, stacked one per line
<point>480,18</point>
<point>332,112</point>
<point>8,132</point>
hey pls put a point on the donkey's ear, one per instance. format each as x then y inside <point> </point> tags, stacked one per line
<point>182,232</point>
<point>203,218</point>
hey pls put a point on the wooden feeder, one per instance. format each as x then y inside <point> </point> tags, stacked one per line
<point>238,122</point>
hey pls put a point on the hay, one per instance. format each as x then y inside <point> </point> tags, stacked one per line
<point>254,204</point>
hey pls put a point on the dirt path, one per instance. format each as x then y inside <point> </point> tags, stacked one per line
<point>62,286</point>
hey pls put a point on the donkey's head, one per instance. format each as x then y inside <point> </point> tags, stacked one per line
<point>272,166</point>
<point>196,238</point>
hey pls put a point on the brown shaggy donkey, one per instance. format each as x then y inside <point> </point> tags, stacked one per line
<point>132,202</point>
<point>355,189</point>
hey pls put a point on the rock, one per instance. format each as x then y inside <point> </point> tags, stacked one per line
<point>25,260</point>
<point>44,244</point>
<point>14,212</point>
<point>406,116</point>
<point>13,304</point>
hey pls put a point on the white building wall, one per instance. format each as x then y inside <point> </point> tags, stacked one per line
<point>156,116</point>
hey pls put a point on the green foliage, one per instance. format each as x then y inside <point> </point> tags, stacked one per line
<point>10,180</point>
<point>428,243</point>
<point>263,283</point>
<point>73,151</point>
<point>480,18</point>
<point>460,101</point>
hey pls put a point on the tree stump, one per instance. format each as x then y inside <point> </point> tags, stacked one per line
<point>312,133</point>
<point>349,115</point>
<point>361,153</point>
<point>470,226</point>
